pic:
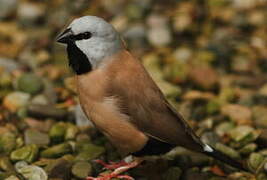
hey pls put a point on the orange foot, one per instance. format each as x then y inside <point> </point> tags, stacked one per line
<point>110,176</point>
<point>111,165</point>
<point>117,170</point>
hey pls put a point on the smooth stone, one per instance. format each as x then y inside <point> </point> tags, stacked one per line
<point>82,169</point>
<point>259,114</point>
<point>57,132</point>
<point>227,150</point>
<point>237,113</point>
<point>40,99</point>
<point>57,151</point>
<point>46,111</point>
<point>255,160</point>
<point>204,76</point>
<point>7,142</point>
<point>31,172</point>
<point>33,136</point>
<point>164,33</point>
<point>87,152</point>
<point>172,173</point>
<point>5,164</point>
<point>7,8</point>
<point>241,132</point>
<point>30,13</point>
<point>60,170</point>
<point>12,177</point>
<point>71,132</point>
<point>27,153</point>
<point>15,100</point>
<point>30,83</point>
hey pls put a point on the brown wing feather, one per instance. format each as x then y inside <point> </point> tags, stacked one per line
<point>144,103</point>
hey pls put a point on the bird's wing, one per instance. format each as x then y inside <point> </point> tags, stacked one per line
<point>144,103</point>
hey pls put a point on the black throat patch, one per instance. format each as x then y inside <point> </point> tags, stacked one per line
<point>78,61</point>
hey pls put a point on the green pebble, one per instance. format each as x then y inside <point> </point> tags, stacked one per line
<point>7,142</point>
<point>57,151</point>
<point>228,151</point>
<point>172,173</point>
<point>255,160</point>
<point>30,83</point>
<point>81,169</point>
<point>89,152</point>
<point>57,132</point>
<point>27,153</point>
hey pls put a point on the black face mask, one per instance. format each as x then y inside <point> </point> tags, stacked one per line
<point>78,61</point>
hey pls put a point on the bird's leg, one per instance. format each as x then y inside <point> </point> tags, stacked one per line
<point>116,173</point>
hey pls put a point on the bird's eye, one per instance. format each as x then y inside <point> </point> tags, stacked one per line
<point>81,36</point>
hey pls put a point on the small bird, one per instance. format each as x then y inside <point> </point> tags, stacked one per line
<point>122,100</point>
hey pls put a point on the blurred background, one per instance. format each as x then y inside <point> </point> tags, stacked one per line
<point>209,57</point>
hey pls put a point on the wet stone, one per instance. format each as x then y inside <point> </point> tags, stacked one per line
<point>16,100</point>
<point>30,172</point>
<point>81,169</point>
<point>7,142</point>
<point>7,8</point>
<point>46,111</point>
<point>57,132</point>
<point>30,83</point>
<point>27,153</point>
<point>89,152</point>
<point>60,170</point>
<point>33,136</point>
<point>255,160</point>
<point>172,173</point>
<point>57,151</point>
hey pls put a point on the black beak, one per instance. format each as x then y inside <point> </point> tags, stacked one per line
<point>65,36</point>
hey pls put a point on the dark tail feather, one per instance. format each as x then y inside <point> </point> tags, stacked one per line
<point>224,158</point>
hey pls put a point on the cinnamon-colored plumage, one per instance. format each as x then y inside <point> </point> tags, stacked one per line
<point>121,99</point>
<point>128,107</point>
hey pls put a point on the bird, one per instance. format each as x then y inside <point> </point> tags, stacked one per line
<point>122,100</point>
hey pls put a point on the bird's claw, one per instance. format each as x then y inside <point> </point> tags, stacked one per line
<point>110,176</point>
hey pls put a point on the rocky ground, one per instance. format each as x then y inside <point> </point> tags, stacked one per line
<point>208,57</point>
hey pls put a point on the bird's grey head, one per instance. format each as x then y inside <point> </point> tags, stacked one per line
<point>89,40</point>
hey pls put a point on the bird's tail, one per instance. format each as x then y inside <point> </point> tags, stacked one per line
<point>208,150</point>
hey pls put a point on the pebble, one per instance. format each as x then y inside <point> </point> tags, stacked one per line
<point>32,136</point>
<point>7,142</point>
<point>60,170</point>
<point>30,83</point>
<point>183,54</point>
<point>57,151</point>
<point>172,173</point>
<point>57,132</point>
<point>30,13</point>
<point>240,133</point>
<point>237,113</point>
<point>27,153</point>
<point>203,76</point>
<point>39,99</point>
<point>46,111</point>
<point>7,8</point>
<point>88,152</point>
<point>255,161</point>
<point>158,28</point>
<point>81,169</point>
<point>153,35</point>
<point>30,172</point>
<point>15,100</point>
<point>227,150</point>
<point>259,114</point>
